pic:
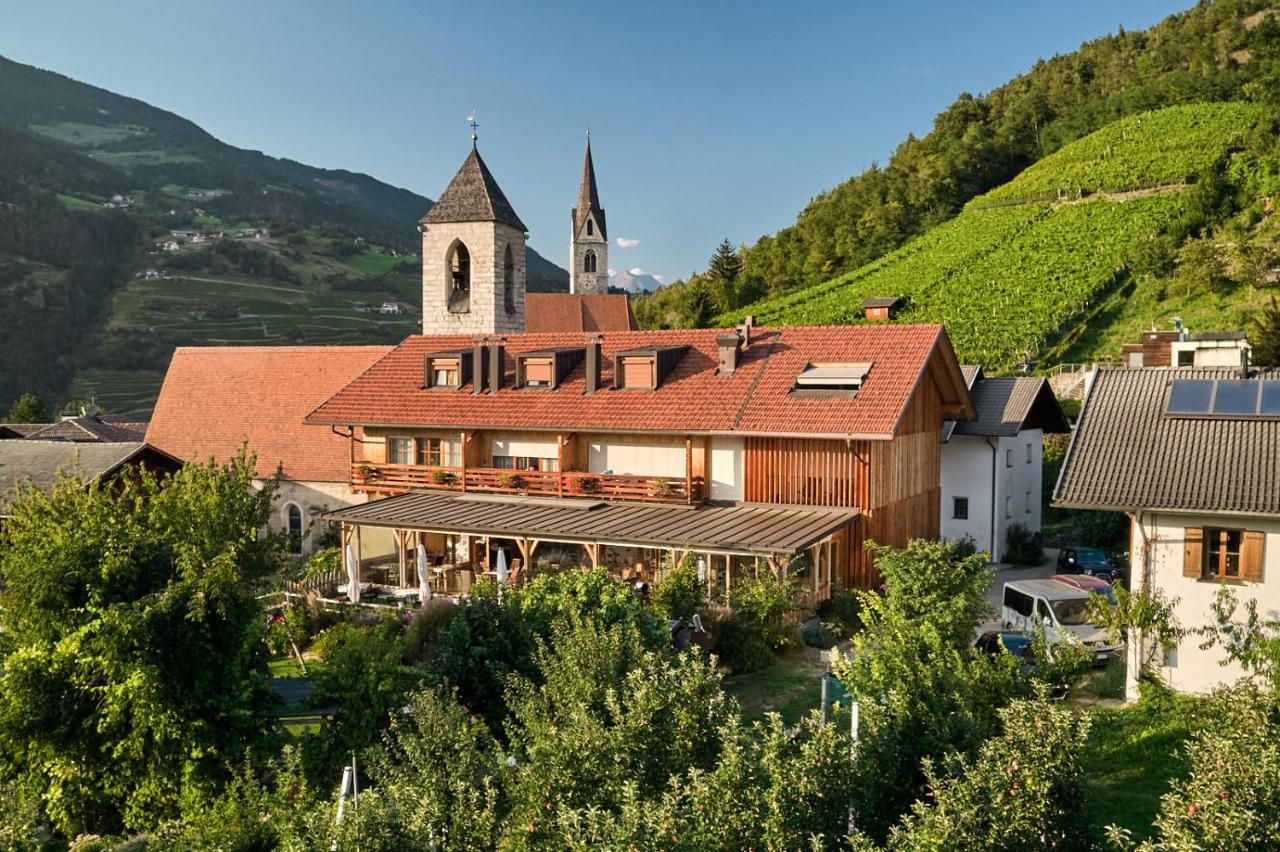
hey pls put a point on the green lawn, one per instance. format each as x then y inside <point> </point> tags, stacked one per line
<point>284,667</point>
<point>74,203</point>
<point>1131,755</point>
<point>791,687</point>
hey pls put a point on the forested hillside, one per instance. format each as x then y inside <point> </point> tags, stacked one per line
<point>1024,266</point>
<point>126,230</point>
<point>1219,51</point>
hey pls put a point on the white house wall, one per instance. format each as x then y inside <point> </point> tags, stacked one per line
<point>967,472</point>
<point>312,498</point>
<point>1161,538</point>
<point>637,456</point>
<point>726,468</point>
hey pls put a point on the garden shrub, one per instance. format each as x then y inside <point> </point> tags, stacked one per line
<point>1023,547</point>
<point>738,644</point>
<point>679,593</point>
<point>964,547</point>
<point>761,602</point>
<point>426,624</point>
<point>841,610</point>
<point>569,594</point>
<point>1110,684</point>
<point>817,634</point>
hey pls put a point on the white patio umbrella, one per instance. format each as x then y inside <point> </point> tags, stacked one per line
<point>424,583</point>
<point>353,575</point>
<point>502,566</point>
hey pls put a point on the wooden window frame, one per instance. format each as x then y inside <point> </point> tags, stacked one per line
<point>430,452</point>
<point>1202,546</point>
<point>392,456</point>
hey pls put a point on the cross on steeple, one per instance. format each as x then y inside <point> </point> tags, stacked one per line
<point>475,125</point>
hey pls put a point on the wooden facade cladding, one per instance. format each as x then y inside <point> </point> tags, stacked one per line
<point>905,492</point>
<point>807,472</point>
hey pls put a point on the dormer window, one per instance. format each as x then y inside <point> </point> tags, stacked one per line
<point>547,368</point>
<point>537,372</point>
<point>831,379</point>
<point>645,369</point>
<point>446,369</point>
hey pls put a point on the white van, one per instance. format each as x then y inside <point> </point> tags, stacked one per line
<point>1058,610</point>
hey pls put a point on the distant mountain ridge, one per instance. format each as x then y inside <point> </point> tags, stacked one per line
<point>156,148</point>
<point>633,281</point>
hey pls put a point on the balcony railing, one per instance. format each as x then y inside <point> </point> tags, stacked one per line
<point>368,476</point>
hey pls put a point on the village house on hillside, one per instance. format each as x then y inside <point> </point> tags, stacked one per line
<point>1192,456</point>
<point>992,466</point>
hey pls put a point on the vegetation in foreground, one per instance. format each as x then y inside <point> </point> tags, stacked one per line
<point>134,709</point>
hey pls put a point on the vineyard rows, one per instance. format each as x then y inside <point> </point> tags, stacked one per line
<point>1003,280</point>
<point>1161,147</point>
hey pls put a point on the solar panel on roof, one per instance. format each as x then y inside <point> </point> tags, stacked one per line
<point>1270,399</point>
<point>1238,397</point>
<point>1190,396</point>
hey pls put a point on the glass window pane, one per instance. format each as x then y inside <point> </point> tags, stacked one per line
<point>1190,396</point>
<point>1236,398</point>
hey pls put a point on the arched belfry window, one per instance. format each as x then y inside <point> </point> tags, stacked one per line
<point>589,261</point>
<point>509,281</point>
<point>458,275</point>
<point>591,226</point>
<point>294,518</point>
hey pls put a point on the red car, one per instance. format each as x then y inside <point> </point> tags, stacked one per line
<point>1087,583</point>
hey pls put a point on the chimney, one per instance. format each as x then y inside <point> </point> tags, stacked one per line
<point>1244,363</point>
<point>497,356</point>
<point>479,366</point>
<point>728,343</point>
<point>593,363</point>
<point>744,332</point>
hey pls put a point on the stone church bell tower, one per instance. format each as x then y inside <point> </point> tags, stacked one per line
<point>473,269</point>
<point>588,238</point>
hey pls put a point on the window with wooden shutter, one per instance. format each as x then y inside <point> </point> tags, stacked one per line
<point>1193,553</point>
<point>1251,556</point>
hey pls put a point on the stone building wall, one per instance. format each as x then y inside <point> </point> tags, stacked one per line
<point>487,243</point>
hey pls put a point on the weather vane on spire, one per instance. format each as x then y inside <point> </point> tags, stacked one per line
<point>475,125</point>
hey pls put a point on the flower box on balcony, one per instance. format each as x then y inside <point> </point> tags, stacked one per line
<point>662,487</point>
<point>584,484</point>
<point>513,481</point>
<point>366,473</point>
<point>442,477</point>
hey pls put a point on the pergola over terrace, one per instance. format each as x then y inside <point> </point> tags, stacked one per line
<point>772,533</point>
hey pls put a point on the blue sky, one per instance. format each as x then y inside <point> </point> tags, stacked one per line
<point>708,120</point>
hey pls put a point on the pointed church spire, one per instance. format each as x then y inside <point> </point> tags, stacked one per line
<point>588,195</point>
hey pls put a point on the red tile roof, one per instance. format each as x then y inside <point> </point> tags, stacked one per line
<point>756,399</point>
<point>552,312</point>
<point>217,398</point>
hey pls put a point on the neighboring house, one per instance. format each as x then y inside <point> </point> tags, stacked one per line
<point>40,463</point>
<point>788,447</point>
<point>91,428</point>
<point>1181,348</point>
<point>216,400</point>
<point>550,312</point>
<point>1192,456</point>
<point>992,466</point>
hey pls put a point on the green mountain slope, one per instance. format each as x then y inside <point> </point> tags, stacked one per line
<point>1216,51</point>
<point>1014,275</point>
<point>94,186</point>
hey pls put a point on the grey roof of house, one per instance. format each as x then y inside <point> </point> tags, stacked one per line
<point>21,430</point>
<point>90,428</point>
<point>1126,454</point>
<point>883,301</point>
<point>473,196</point>
<point>1008,404</point>
<point>40,461</point>
<point>745,528</point>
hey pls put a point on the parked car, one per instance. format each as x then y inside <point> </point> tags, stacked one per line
<point>1020,645</point>
<point>1088,583</point>
<point>1086,560</point>
<point>1058,610</point>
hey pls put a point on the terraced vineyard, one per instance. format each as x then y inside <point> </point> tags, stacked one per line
<point>1168,145</point>
<point>1004,280</point>
<point>1013,270</point>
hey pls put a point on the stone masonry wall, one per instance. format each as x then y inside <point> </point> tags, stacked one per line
<point>486,242</point>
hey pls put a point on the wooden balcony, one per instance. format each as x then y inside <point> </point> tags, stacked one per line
<point>396,478</point>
